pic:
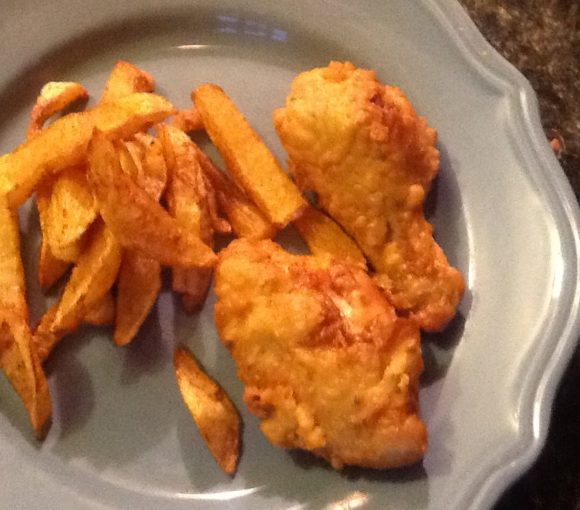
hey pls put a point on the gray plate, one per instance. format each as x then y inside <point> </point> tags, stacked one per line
<point>502,209</point>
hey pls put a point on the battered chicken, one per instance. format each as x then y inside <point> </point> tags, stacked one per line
<point>370,159</point>
<point>327,365</point>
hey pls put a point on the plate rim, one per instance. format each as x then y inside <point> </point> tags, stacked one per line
<point>543,166</point>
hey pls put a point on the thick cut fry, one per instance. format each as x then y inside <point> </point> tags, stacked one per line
<point>22,367</point>
<point>50,268</point>
<point>102,313</point>
<point>187,202</point>
<point>144,163</point>
<point>247,158</point>
<point>154,166</point>
<point>140,276</point>
<point>187,120</point>
<point>137,290</point>
<point>17,356</point>
<point>90,280</point>
<point>54,97</point>
<point>136,219</point>
<point>12,289</point>
<point>125,79</point>
<point>324,237</point>
<point>43,338</point>
<point>64,143</point>
<point>246,220</point>
<point>71,211</point>
<point>214,414</point>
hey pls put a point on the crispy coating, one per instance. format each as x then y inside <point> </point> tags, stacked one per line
<point>362,148</point>
<point>327,365</point>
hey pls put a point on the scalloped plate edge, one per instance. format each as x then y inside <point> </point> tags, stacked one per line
<point>547,366</point>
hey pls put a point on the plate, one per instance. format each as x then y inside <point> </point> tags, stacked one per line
<point>502,210</point>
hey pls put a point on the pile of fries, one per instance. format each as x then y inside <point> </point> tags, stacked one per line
<point>121,192</point>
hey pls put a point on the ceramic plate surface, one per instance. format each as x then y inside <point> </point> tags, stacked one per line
<point>503,211</point>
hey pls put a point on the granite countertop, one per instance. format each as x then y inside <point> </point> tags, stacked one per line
<point>542,39</point>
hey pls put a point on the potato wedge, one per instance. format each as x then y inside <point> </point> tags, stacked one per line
<point>50,268</point>
<point>125,79</point>
<point>12,289</point>
<point>90,280</point>
<point>140,276</point>
<point>154,166</point>
<point>187,202</point>
<point>18,358</point>
<point>137,289</point>
<point>247,158</point>
<point>54,97</point>
<point>22,367</point>
<point>324,236</point>
<point>187,121</point>
<point>64,143</point>
<point>101,313</point>
<point>245,218</point>
<point>72,209</point>
<point>136,219</point>
<point>214,414</point>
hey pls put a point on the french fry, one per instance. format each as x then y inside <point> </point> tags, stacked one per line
<point>247,158</point>
<point>102,313</point>
<point>245,218</point>
<point>137,289</point>
<point>126,79</point>
<point>64,143</point>
<point>72,209</point>
<point>324,236</point>
<point>18,358</point>
<point>54,97</point>
<point>135,218</point>
<point>140,276</point>
<point>187,120</point>
<point>44,338</point>
<point>187,202</point>
<point>90,280</point>
<point>50,268</point>
<point>214,414</point>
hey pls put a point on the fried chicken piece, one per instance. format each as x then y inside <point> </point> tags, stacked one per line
<point>327,365</point>
<point>362,148</point>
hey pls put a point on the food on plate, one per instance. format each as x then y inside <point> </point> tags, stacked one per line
<point>370,159</point>
<point>326,363</point>
<point>245,218</point>
<point>329,361</point>
<point>247,158</point>
<point>91,278</point>
<point>54,97</point>
<point>126,79</point>
<point>45,337</point>
<point>101,313</point>
<point>18,359</point>
<point>214,414</point>
<point>187,120</point>
<point>136,219</point>
<point>187,201</point>
<point>137,289</point>
<point>139,279</point>
<point>324,236</point>
<point>71,210</point>
<point>64,143</point>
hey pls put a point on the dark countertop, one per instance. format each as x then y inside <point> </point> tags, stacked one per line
<point>542,39</point>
